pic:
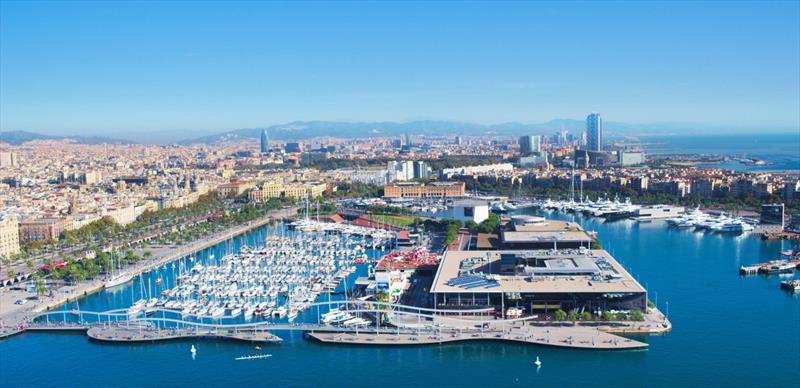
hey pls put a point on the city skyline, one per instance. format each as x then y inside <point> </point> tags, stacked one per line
<point>360,193</point>
<point>281,63</point>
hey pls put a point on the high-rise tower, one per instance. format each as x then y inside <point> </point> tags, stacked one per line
<point>530,145</point>
<point>594,132</point>
<point>264,141</point>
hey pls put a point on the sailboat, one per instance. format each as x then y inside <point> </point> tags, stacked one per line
<point>193,350</point>
<point>538,362</point>
<point>119,278</point>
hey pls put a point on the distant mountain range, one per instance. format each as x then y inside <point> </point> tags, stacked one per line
<point>299,130</point>
<point>20,137</point>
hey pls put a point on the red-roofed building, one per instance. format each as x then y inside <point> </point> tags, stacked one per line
<point>367,223</point>
<point>335,218</point>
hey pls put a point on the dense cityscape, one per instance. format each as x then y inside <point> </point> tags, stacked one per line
<point>50,189</point>
<point>451,194</point>
<point>66,203</point>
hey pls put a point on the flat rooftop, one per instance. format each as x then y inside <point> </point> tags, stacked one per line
<point>542,231</point>
<point>513,237</point>
<point>548,226</point>
<point>575,273</point>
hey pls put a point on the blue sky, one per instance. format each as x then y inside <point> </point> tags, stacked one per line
<point>100,67</point>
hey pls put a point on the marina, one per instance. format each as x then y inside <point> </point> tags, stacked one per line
<point>278,279</point>
<point>649,252</point>
<point>674,216</point>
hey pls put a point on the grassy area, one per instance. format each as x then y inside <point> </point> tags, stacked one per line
<point>401,221</point>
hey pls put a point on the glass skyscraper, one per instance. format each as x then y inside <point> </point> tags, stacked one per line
<point>530,145</point>
<point>594,132</point>
<point>264,141</point>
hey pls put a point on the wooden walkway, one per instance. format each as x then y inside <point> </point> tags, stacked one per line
<point>567,337</point>
<point>135,333</point>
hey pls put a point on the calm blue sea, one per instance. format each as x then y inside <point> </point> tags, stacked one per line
<point>728,331</point>
<point>781,149</point>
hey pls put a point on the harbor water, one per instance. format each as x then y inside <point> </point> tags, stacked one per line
<point>728,331</point>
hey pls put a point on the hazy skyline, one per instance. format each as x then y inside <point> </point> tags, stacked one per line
<point>102,68</point>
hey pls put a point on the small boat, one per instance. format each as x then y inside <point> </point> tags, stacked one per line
<point>781,268</point>
<point>253,357</point>
<point>791,285</point>
<point>538,362</point>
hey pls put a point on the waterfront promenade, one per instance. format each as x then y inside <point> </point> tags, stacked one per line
<point>432,328</point>
<point>578,337</point>
<point>135,333</point>
<point>13,315</point>
<point>565,336</point>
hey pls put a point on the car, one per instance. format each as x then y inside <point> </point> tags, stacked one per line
<point>21,301</point>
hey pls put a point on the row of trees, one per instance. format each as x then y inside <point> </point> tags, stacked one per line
<point>355,190</point>
<point>449,227</point>
<point>87,268</point>
<point>388,209</point>
<point>486,226</point>
<point>573,315</point>
<point>172,225</point>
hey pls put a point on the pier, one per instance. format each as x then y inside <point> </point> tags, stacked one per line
<point>127,333</point>
<point>569,337</point>
<point>433,327</point>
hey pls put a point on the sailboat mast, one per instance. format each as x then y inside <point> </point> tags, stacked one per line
<point>572,186</point>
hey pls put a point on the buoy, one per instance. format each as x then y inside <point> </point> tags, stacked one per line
<point>537,362</point>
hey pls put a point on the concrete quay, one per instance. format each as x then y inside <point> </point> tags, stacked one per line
<point>137,333</point>
<point>576,337</point>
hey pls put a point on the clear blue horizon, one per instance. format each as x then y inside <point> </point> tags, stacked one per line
<point>104,68</point>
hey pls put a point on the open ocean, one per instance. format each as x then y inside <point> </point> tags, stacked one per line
<point>780,149</point>
<point>728,331</point>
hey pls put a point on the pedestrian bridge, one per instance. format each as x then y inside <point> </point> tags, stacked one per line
<point>408,325</point>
